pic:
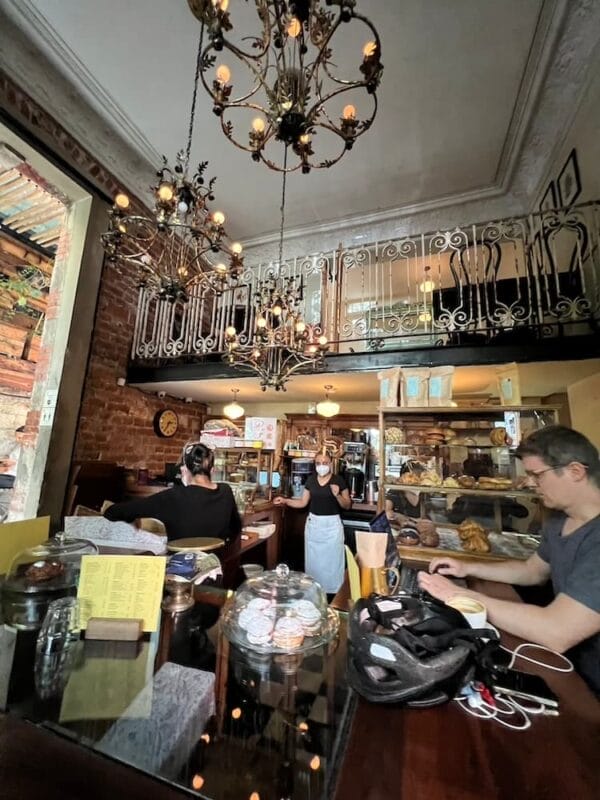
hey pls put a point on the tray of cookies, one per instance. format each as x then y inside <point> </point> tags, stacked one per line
<point>280,611</point>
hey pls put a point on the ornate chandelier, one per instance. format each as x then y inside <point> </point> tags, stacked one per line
<point>282,343</point>
<point>168,248</point>
<point>285,77</point>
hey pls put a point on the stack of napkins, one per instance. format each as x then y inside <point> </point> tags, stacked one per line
<point>264,529</point>
<point>104,533</point>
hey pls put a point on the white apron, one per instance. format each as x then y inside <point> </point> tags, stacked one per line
<point>324,551</point>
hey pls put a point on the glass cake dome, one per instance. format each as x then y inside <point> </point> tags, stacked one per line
<point>280,612</point>
<point>40,574</point>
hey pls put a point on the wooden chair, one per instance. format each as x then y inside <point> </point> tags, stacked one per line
<point>151,525</point>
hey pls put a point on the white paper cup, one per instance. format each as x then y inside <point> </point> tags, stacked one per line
<point>472,610</point>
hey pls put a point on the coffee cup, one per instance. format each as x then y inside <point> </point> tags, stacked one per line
<point>472,610</point>
<point>375,579</point>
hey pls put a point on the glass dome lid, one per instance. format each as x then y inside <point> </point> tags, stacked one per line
<point>53,564</point>
<point>280,612</point>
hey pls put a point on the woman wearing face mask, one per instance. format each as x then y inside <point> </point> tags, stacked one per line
<point>198,507</point>
<point>324,494</point>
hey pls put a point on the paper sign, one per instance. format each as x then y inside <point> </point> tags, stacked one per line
<point>16,536</point>
<point>263,429</point>
<point>122,587</point>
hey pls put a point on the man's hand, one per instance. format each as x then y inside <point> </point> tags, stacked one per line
<point>279,501</point>
<point>335,489</point>
<point>449,566</point>
<point>438,587</point>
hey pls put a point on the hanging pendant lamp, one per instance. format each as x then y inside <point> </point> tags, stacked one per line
<point>234,410</point>
<point>327,407</point>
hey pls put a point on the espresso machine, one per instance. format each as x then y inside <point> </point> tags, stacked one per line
<point>354,468</point>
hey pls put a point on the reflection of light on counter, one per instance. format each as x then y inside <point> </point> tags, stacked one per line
<point>205,738</point>
<point>315,763</point>
<point>236,713</point>
<point>197,782</point>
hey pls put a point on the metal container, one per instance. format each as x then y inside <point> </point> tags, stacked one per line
<point>372,492</point>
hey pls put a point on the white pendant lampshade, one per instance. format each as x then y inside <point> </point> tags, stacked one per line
<point>234,410</point>
<point>327,407</point>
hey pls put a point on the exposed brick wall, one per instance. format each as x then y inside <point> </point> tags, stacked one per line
<point>116,421</point>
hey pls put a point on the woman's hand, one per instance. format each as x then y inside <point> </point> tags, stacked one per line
<point>449,566</point>
<point>438,587</point>
<point>335,489</point>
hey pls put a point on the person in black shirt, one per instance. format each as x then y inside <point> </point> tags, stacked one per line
<point>324,494</point>
<point>199,507</point>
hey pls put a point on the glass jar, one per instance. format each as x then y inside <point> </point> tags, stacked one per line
<point>39,575</point>
<point>280,612</point>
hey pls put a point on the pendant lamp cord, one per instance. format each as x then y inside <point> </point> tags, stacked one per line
<point>194,97</point>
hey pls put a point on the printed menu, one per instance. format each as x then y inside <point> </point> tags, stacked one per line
<point>122,587</point>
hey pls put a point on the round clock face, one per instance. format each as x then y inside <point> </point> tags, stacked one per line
<point>166,423</point>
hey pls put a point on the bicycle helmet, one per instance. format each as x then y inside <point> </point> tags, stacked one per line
<point>409,650</point>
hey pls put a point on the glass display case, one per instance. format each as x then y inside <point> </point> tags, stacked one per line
<point>245,469</point>
<point>456,467</point>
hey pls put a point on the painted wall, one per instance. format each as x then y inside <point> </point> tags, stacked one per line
<point>584,402</point>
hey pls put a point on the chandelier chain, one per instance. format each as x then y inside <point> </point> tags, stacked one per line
<point>188,147</point>
<point>282,207</point>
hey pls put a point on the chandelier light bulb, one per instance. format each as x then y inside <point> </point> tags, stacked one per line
<point>258,125</point>
<point>305,139</point>
<point>312,348</point>
<point>277,310</point>
<point>221,5</point>
<point>223,73</point>
<point>122,227</point>
<point>182,207</point>
<point>236,248</point>
<point>220,268</point>
<point>425,316</point>
<point>230,332</point>
<point>300,327</point>
<point>256,354</point>
<point>322,340</point>
<point>294,27</point>
<point>315,763</point>
<point>122,200</point>
<point>369,49</point>
<point>165,192</point>
<point>349,112</point>
<point>218,218</point>
<point>261,322</point>
<point>427,286</point>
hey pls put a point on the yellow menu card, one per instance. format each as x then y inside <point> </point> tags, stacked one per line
<point>122,587</point>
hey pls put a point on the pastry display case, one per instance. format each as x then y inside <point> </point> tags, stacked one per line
<point>280,611</point>
<point>245,469</point>
<point>455,469</point>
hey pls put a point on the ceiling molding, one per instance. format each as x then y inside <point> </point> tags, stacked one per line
<point>81,78</point>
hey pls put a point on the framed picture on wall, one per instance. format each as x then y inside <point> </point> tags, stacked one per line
<point>569,181</point>
<point>549,199</point>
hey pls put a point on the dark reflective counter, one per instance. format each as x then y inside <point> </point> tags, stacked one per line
<point>190,709</point>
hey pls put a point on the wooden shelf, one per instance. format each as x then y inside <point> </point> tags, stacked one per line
<point>408,487</point>
<point>458,411</point>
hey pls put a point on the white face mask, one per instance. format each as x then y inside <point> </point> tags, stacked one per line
<point>323,469</point>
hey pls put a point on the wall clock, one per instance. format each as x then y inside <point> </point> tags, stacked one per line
<point>166,423</point>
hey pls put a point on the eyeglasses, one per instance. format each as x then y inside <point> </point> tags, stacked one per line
<point>535,476</point>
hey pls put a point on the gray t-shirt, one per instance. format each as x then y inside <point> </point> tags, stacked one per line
<point>575,571</point>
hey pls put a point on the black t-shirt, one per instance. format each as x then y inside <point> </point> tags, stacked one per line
<point>575,571</point>
<point>186,511</point>
<point>322,502</point>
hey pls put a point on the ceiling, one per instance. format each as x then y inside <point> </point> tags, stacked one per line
<point>451,101</point>
<point>537,380</point>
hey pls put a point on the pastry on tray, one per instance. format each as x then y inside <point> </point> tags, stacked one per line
<point>450,483</point>
<point>41,571</point>
<point>427,533</point>
<point>473,537</point>
<point>466,481</point>
<point>499,484</point>
<point>409,535</point>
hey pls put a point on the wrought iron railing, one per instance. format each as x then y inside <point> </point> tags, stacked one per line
<point>512,280</point>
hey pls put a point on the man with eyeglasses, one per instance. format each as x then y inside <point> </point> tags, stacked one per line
<point>563,467</point>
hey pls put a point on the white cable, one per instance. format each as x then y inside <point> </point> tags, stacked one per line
<point>516,653</point>
<point>487,711</point>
